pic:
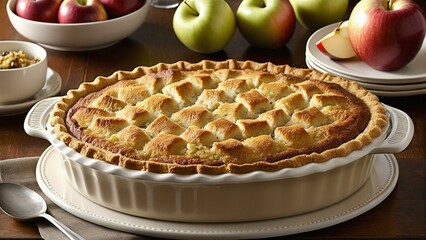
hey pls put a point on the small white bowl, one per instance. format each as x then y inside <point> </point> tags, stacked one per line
<point>78,36</point>
<point>19,84</point>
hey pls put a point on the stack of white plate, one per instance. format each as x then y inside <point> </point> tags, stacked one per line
<point>409,80</point>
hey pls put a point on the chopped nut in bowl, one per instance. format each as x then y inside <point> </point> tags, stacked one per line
<point>15,59</point>
<point>23,67</point>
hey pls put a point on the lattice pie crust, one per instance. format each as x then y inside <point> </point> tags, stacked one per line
<point>217,117</point>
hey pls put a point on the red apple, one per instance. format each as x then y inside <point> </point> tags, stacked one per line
<point>266,23</point>
<point>118,8</point>
<point>38,10</point>
<point>387,35</point>
<point>79,11</point>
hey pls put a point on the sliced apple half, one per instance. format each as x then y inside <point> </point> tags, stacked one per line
<point>336,44</point>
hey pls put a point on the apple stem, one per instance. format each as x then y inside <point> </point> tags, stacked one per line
<point>389,4</point>
<point>340,24</point>
<point>195,11</point>
<point>82,2</point>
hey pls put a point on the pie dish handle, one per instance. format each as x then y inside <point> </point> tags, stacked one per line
<point>36,120</point>
<point>400,132</point>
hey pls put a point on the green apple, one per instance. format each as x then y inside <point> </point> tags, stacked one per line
<point>314,14</point>
<point>266,23</point>
<point>204,26</point>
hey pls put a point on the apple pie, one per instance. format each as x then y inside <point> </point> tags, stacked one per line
<point>217,117</point>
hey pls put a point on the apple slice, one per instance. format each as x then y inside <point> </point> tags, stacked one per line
<point>336,44</point>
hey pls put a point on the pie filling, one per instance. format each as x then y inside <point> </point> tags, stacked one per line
<point>217,117</point>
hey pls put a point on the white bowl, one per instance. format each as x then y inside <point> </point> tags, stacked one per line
<point>228,197</point>
<point>19,84</point>
<point>79,36</point>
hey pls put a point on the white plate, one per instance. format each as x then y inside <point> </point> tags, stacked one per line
<point>393,87</point>
<point>368,83</point>
<point>51,179</point>
<point>51,88</point>
<point>414,72</point>
<point>398,93</point>
<point>380,89</point>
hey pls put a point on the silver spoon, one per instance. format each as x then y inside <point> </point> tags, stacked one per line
<point>23,203</point>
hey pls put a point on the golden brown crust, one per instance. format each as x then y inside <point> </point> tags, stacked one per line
<point>217,117</point>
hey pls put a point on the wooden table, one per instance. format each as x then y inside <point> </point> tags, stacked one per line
<point>401,216</point>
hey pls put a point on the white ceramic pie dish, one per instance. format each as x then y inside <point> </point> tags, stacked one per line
<point>221,198</point>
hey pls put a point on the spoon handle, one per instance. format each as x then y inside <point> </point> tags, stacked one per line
<point>64,229</point>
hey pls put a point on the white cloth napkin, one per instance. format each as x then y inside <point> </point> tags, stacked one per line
<point>22,171</point>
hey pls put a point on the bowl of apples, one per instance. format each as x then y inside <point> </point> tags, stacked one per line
<point>76,25</point>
